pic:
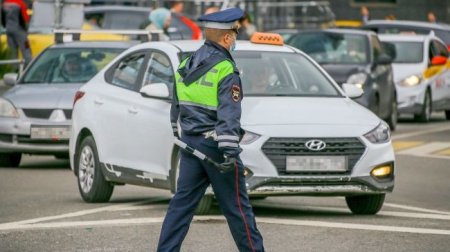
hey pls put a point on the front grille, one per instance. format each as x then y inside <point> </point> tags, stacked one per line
<point>68,113</point>
<point>277,149</point>
<point>6,138</point>
<point>38,113</point>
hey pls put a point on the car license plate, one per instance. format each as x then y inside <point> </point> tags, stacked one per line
<point>316,163</point>
<point>54,133</point>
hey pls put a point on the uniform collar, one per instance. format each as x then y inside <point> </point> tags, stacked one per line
<point>220,48</point>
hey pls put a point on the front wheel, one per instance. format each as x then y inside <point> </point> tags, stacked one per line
<point>393,117</point>
<point>425,114</point>
<point>10,159</point>
<point>91,183</point>
<point>365,204</point>
<point>447,114</point>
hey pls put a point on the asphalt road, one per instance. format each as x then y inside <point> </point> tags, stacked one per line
<point>41,210</point>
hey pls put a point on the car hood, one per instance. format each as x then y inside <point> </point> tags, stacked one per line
<point>304,116</point>
<point>402,71</point>
<point>341,72</point>
<point>43,95</point>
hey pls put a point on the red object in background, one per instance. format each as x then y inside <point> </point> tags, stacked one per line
<point>196,32</point>
<point>438,60</point>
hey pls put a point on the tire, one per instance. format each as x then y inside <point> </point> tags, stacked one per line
<point>393,117</point>
<point>91,183</point>
<point>447,114</point>
<point>204,206</point>
<point>205,203</point>
<point>11,160</point>
<point>425,114</point>
<point>375,107</point>
<point>365,204</point>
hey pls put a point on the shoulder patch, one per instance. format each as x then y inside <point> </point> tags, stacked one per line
<point>236,93</point>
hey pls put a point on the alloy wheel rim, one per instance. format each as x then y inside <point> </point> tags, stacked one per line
<point>86,169</point>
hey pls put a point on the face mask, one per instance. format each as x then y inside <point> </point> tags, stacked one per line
<point>233,46</point>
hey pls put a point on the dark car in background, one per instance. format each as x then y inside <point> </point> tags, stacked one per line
<point>117,17</point>
<point>355,57</point>
<point>442,31</point>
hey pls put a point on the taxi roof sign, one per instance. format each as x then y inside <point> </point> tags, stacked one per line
<point>267,38</point>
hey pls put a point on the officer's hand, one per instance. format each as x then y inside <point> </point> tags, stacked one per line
<point>227,165</point>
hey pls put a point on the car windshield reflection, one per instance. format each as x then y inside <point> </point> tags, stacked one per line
<point>281,74</point>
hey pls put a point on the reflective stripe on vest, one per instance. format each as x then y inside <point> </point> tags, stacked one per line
<point>204,91</point>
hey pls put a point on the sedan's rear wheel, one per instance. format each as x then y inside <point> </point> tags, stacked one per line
<point>205,204</point>
<point>10,159</point>
<point>91,183</point>
<point>425,114</point>
<point>365,204</point>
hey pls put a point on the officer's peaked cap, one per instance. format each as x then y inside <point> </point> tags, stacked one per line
<point>225,19</point>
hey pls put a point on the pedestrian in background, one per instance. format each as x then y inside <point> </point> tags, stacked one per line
<point>207,104</point>
<point>431,17</point>
<point>15,19</point>
<point>365,15</point>
<point>176,7</point>
<point>247,28</point>
<point>160,20</point>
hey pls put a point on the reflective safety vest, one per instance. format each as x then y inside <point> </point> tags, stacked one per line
<point>204,91</point>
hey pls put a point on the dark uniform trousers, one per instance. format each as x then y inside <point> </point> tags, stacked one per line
<point>230,192</point>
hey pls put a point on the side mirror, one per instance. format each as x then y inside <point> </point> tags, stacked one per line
<point>10,79</point>
<point>384,59</point>
<point>155,90</point>
<point>352,91</point>
<point>438,60</point>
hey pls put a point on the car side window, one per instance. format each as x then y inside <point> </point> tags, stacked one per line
<point>440,49</point>
<point>127,71</point>
<point>159,70</point>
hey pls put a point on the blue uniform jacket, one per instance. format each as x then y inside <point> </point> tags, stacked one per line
<point>195,120</point>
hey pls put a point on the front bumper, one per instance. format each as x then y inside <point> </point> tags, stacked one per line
<point>318,185</point>
<point>15,137</point>
<point>410,99</point>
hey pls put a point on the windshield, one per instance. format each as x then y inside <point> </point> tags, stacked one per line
<point>333,48</point>
<point>281,74</point>
<point>68,65</point>
<point>408,52</point>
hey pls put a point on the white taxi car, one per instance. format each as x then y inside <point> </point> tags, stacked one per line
<point>421,74</point>
<point>304,134</point>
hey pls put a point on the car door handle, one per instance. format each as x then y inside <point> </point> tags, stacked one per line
<point>132,110</point>
<point>98,101</point>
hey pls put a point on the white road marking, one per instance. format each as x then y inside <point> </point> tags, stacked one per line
<point>289,222</point>
<point>417,209</point>
<point>426,149</point>
<point>418,133</point>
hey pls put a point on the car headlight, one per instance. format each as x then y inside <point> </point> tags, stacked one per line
<point>357,79</point>
<point>7,109</point>
<point>380,134</point>
<point>411,81</point>
<point>249,138</point>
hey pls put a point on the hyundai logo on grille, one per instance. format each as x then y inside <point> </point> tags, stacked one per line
<point>315,145</point>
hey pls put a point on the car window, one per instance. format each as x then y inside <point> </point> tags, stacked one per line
<point>117,20</point>
<point>281,74</point>
<point>439,49</point>
<point>400,29</point>
<point>159,70</point>
<point>127,71</point>
<point>408,52</point>
<point>68,65</point>
<point>444,35</point>
<point>333,48</point>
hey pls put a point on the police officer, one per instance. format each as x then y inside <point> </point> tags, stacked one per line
<point>207,104</point>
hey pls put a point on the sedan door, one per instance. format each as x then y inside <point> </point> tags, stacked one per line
<point>150,137</point>
<point>440,85</point>
<point>112,106</point>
